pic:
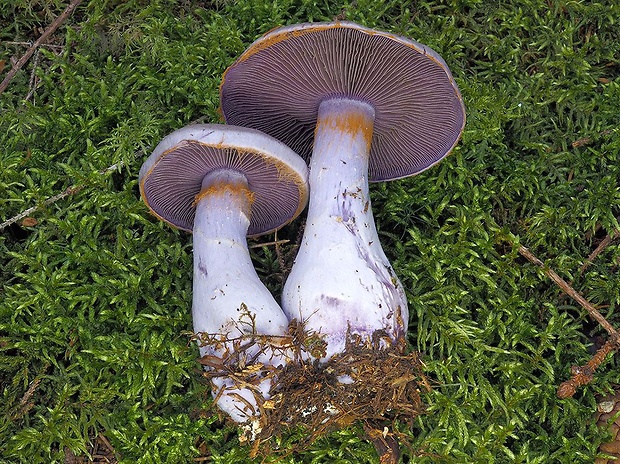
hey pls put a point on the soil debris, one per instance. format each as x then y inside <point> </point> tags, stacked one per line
<point>373,380</point>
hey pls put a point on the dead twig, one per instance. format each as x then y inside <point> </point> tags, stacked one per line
<point>25,404</point>
<point>277,243</point>
<point>599,249</point>
<point>49,31</point>
<point>583,375</point>
<point>587,140</point>
<point>53,199</point>
<point>385,444</point>
<point>32,85</point>
<point>100,451</point>
<point>106,443</point>
<point>29,44</point>
<point>49,201</point>
<point>279,251</point>
<point>570,291</point>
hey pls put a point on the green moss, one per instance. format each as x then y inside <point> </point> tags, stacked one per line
<point>95,298</point>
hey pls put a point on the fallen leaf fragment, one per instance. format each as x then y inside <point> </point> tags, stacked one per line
<point>29,222</point>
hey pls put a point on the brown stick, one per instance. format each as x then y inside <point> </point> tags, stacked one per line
<point>385,443</point>
<point>25,405</point>
<point>570,291</point>
<point>599,249</point>
<point>277,243</point>
<point>583,375</point>
<point>59,196</point>
<point>587,140</point>
<point>49,31</point>
<point>51,200</point>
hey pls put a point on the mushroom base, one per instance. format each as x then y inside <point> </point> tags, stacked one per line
<point>371,382</point>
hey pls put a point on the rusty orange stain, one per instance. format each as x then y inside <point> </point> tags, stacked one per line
<point>351,123</point>
<point>238,190</point>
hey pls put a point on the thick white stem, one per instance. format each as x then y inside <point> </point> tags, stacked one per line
<point>228,297</point>
<point>341,279</point>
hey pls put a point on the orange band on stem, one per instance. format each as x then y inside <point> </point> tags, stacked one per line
<point>352,123</point>
<point>223,188</point>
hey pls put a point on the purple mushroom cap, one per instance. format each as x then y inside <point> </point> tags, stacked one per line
<point>172,176</point>
<point>276,86</point>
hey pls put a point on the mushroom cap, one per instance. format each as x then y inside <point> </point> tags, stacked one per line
<point>172,176</point>
<point>277,84</point>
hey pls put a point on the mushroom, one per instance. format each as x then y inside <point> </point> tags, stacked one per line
<point>361,105</point>
<point>224,183</point>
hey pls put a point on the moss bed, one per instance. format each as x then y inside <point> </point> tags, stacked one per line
<point>97,360</point>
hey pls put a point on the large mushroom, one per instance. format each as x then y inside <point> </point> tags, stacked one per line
<point>223,183</point>
<point>360,105</point>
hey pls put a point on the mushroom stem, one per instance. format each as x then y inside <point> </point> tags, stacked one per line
<point>229,300</point>
<point>341,281</point>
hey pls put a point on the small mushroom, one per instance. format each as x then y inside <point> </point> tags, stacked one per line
<point>223,183</point>
<point>361,105</point>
